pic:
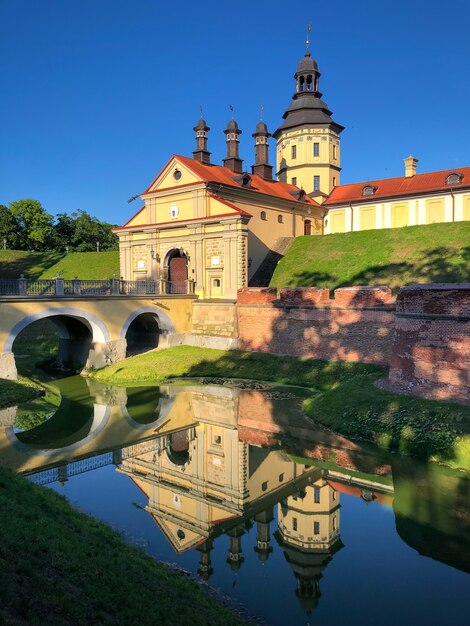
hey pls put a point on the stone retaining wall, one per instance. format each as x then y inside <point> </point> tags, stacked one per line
<point>431,347</point>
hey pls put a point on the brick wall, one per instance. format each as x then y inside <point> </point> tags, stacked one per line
<point>356,325</point>
<point>431,348</point>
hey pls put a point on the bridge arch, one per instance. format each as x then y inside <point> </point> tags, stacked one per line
<point>97,328</point>
<point>143,329</point>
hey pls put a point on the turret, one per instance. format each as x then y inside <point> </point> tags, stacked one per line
<point>201,153</point>
<point>233,161</point>
<point>261,166</point>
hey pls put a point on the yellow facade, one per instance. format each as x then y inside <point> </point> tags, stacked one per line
<point>400,214</point>
<point>337,222</point>
<point>298,165</point>
<point>367,218</point>
<point>434,211</point>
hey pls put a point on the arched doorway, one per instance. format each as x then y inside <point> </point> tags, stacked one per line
<point>307,227</point>
<point>177,272</point>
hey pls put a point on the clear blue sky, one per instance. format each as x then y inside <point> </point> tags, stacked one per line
<point>97,94</point>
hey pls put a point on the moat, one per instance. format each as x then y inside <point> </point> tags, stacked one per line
<point>233,484</point>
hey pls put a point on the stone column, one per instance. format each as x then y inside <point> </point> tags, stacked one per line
<point>8,366</point>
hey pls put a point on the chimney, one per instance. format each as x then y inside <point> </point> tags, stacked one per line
<point>201,153</point>
<point>261,167</point>
<point>233,161</point>
<point>410,166</point>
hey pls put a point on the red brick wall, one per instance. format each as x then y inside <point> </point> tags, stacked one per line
<point>305,322</point>
<point>431,348</point>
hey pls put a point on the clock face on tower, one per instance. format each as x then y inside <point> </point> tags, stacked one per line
<point>174,211</point>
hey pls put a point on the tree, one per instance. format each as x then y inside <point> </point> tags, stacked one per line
<point>8,228</point>
<point>34,225</point>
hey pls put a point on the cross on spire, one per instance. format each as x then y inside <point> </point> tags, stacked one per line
<point>309,30</point>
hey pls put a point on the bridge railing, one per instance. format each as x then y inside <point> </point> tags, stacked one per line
<point>60,287</point>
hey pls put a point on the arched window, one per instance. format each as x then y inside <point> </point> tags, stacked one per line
<point>263,215</point>
<point>454,179</point>
<point>369,190</point>
<point>280,219</point>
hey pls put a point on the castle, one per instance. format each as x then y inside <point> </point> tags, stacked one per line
<point>213,229</point>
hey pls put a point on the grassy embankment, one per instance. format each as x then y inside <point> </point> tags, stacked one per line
<point>60,566</point>
<point>393,257</point>
<point>348,401</point>
<point>39,265</point>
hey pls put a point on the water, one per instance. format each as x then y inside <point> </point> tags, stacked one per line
<point>233,484</point>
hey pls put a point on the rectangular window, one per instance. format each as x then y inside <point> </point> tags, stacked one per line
<point>316,528</point>
<point>316,149</point>
<point>334,152</point>
<point>334,522</point>
<point>316,183</point>
<point>334,181</point>
<point>294,180</point>
<point>294,152</point>
<point>316,495</point>
<point>294,523</point>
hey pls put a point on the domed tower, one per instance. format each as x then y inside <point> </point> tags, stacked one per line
<point>308,143</point>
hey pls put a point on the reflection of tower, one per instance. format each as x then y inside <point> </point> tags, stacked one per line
<point>263,539</point>
<point>205,569</point>
<point>235,558</point>
<point>309,535</point>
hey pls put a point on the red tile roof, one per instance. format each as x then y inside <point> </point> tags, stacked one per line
<point>225,176</point>
<point>402,186</point>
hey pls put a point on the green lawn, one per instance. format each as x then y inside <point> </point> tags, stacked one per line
<point>34,265</point>
<point>394,257</point>
<point>407,424</point>
<point>60,566</point>
<point>13,263</point>
<point>86,265</point>
<point>157,367</point>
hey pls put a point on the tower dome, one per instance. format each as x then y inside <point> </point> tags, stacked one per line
<point>306,64</point>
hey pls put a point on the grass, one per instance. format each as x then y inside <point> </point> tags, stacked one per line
<point>39,265</point>
<point>60,566</point>
<point>348,402</point>
<point>407,424</point>
<point>85,265</point>
<point>395,257</point>
<point>13,263</point>
<point>157,367</point>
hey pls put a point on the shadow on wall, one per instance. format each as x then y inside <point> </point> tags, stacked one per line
<point>357,325</point>
<point>436,265</point>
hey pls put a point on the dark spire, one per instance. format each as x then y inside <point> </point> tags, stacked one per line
<point>233,161</point>
<point>307,108</point>
<point>201,153</point>
<point>261,166</point>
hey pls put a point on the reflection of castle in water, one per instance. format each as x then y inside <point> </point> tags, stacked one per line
<point>202,481</point>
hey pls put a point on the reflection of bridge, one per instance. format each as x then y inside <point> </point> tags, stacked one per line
<point>95,320</point>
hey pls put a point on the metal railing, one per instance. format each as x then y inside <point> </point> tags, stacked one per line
<point>59,287</point>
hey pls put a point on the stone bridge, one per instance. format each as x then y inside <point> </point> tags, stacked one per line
<point>94,329</point>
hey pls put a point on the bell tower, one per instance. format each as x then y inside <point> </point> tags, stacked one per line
<point>308,142</point>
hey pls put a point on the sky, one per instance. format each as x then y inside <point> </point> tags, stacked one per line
<point>96,95</point>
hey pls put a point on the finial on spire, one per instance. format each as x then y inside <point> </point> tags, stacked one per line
<point>261,109</point>
<point>201,109</point>
<point>309,30</point>
<point>231,107</point>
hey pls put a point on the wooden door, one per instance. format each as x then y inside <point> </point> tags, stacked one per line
<point>307,227</point>
<point>178,274</point>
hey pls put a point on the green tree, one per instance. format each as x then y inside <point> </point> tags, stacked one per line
<point>88,230</point>
<point>34,225</point>
<point>8,228</point>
